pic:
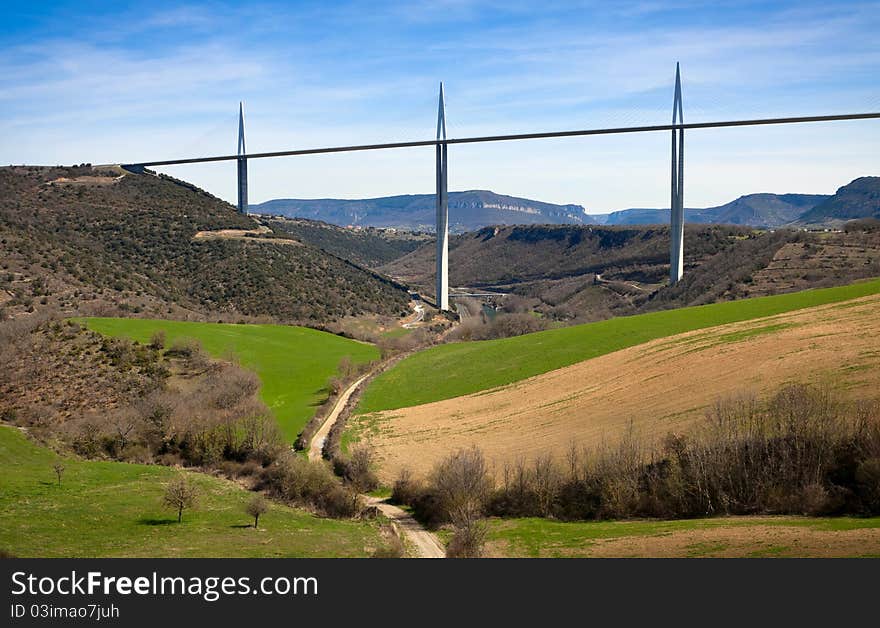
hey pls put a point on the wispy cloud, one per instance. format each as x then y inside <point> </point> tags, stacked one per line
<point>164,79</point>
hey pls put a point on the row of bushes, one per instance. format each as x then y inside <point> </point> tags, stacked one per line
<point>803,451</point>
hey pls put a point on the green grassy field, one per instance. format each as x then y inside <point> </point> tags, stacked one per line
<point>112,509</point>
<point>737,536</point>
<point>293,363</point>
<point>456,369</point>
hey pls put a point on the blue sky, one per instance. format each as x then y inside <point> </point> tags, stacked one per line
<point>104,82</point>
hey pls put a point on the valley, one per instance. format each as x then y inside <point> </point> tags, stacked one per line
<point>152,332</point>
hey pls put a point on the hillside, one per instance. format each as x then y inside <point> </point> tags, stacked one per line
<point>754,210</point>
<point>467,210</point>
<point>368,247</point>
<point>663,385</point>
<point>574,273</point>
<point>294,364</point>
<point>114,509</point>
<point>513,254</point>
<point>470,367</point>
<point>858,199</point>
<point>84,239</point>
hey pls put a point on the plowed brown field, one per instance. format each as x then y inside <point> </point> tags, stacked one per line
<point>661,386</point>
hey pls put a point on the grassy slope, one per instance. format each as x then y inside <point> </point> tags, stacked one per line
<point>293,363</point>
<point>112,509</point>
<point>457,369</point>
<point>545,538</point>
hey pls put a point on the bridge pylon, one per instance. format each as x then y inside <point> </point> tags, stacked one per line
<point>676,221</point>
<point>442,261</point>
<point>242,164</point>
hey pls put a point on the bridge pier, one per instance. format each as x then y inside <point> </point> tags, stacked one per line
<point>242,164</point>
<point>442,261</point>
<point>676,224</point>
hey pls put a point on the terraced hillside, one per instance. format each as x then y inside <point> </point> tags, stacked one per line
<point>535,393</point>
<point>113,509</point>
<point>84,239</point>
<point>575,274</point>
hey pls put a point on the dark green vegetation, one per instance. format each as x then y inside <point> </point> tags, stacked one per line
<point>545,538</point>
<point>467,210</point>
<point>858,199</point>
<point>470,367</point>
<point>368,247</point>
<point>754,210</point>
<point>113,509</point>
<point>293,363</point>
<point>80,237</point>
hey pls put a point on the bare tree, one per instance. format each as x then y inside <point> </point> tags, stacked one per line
<point>124,422</point>
<point>179,494</point>
<point>346,367</point>
<point>58,468</point>
<point>256,507</point>
<point>360,468</point>
<point>462,485</point>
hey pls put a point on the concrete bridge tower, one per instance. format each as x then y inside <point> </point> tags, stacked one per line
<point>442,210</point>
<point>676,225</point>
<point>242,164</point>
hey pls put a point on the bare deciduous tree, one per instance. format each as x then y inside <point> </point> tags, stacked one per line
<point>180,494</point>
<point>462,485</point>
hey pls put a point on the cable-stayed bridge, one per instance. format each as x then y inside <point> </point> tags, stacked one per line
<point>441,143</point>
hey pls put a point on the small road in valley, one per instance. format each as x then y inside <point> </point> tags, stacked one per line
<point>425,543</point>
<point>418,315</point>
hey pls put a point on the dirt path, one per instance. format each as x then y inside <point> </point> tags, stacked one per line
<point>317,445</point>
<point>425,543</point>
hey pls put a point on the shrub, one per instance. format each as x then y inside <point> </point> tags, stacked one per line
<point>467,540</point>
<point>311,484</point>
<point>803,451</point>
<point>406,488</point>
<point>394,549</point>
<point>157,340</point>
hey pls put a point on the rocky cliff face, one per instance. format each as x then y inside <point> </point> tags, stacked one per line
<point>468,210</point>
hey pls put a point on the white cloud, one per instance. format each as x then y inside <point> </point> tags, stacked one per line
<point>329,75</point>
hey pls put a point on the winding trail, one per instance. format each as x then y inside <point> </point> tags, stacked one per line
<point>316,447</point>
<point>426,544</point>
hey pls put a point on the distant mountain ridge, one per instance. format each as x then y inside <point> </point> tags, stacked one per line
<point>754,210</point>
<point>475,209</point>
<point>858,199</point>
<point>468,210</point>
